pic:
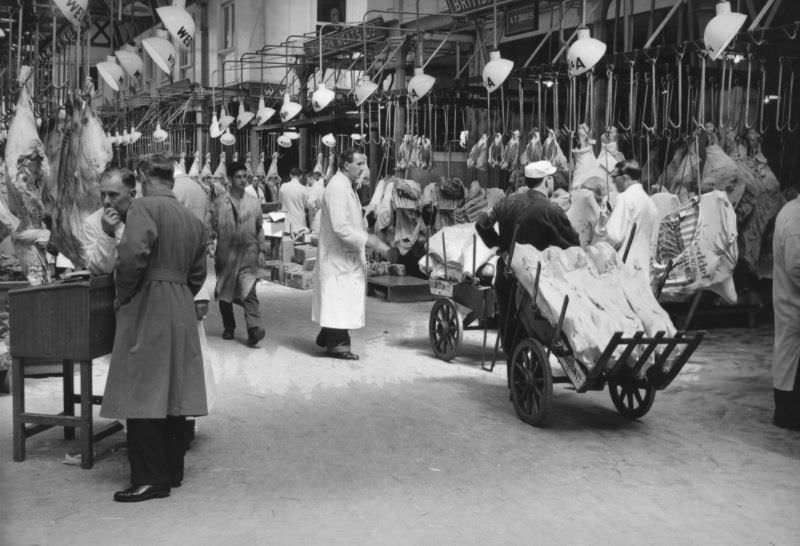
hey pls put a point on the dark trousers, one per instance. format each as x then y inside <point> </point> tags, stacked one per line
<point>252,315</point>
<point>334,340</point>
<point>787,405</point>
<point>155,450</point>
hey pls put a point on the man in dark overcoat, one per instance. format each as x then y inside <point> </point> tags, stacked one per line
<point>155,378</point>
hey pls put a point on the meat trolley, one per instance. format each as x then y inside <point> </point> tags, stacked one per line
<point>632,387</point>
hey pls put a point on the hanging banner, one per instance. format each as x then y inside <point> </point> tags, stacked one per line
<point>469,6</point>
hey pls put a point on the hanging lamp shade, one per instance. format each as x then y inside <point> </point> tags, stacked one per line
<point>159,135</point>
<point>135,134</point>
<point>289,109</point>
<point>329,140</point>
<point>161,50</point>
<point>214,130</point>
<point>73,10</point>
<point>722,29</point>
<point>496,71</point>
<point>115,139</point>
<point>365,88</point>
<point>284,141</point>
<point>129,60</point>
<point>584,53</point>
<point>322,97</point>
<point>420,85</point>
<point>244,117</point>
<point>227,138</point>
<point>291,134</point>
<point>264,112</point>
<point>178,22</point>
<point>224,119</point>
<point>111,72</point>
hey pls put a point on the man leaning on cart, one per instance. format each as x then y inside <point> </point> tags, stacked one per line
<point>533,220</point>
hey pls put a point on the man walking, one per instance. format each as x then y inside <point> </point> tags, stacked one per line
<point>339,298</point>
<point>155,378</point>
<point>238,223</point>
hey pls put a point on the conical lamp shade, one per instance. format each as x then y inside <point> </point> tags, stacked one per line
<point>291,135</point>
<point>722,29</point>
<point>178,22</point>
<point>227,139</point>
<point>322,97</point>
<point>365,88</point>
<point>135,134</point>
<point>214,130</point>
<point>284,141</point>
<point>420,85</point>
<point>161,51</point>
<point>159,135</point>
<point>111,72</point>
<point>244,116</point>
<point>264,112</point>
<point>329,140</point>
<point>129,60</point>
<point>496,71</point>
<point>584,53</point>
<point>224,119</point>
<point>289,109</point>
<point>73,10</point>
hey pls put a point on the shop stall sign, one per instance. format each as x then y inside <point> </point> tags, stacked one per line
<point>522,19</point>
<point>441,288</point>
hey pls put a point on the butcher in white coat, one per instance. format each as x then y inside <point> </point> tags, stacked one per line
<point>633,206</point>
<point>339,298</point>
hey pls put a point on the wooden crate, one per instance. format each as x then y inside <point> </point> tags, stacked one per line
<point>65,320</point>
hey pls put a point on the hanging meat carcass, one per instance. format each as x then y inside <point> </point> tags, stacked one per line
<point>404,150</point>
<point>26,161</point>
<point>426,153</point>
<point>85,153</point>
<point>511,152</point>
<point>52,144</point>
<point>552,152</point>
<point>478,155</point>
<point>533,150</point>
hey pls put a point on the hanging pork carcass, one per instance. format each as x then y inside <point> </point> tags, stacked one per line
<point>85,153</point>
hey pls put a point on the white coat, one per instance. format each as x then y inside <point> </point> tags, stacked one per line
<point>340,274</point>
<point>786,295</point>
<point>634,206</point>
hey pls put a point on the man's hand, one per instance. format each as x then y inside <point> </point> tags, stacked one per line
<point>377,245</point>
<point>109,221</point>
<point>201,309</point>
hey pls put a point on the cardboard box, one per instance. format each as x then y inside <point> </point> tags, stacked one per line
<point>302,280</point>
<point>303,253</point>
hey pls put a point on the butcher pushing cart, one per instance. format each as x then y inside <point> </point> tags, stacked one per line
<point>633,366</point>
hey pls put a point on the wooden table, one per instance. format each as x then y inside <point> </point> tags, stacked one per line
<point>70,322</point>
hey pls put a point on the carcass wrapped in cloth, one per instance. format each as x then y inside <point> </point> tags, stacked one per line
<point>462,249</point>
<point>604,296</point>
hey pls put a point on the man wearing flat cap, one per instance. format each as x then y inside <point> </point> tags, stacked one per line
<point>540,223</point>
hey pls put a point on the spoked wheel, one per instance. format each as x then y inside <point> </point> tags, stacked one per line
<point>632,400</point>
<point>445,329</point>
<point>531,382</point>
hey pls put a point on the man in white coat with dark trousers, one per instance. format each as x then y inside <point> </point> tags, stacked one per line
<point>340,276</point>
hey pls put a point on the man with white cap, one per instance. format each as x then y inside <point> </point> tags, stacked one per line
<point>537,222</point>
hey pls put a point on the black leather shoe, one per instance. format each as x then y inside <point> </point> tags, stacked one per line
<point>227,334</point>
<point>347,355</point>
<point>254,335</point>
<point>138,493</point>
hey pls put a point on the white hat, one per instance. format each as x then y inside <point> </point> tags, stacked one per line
<point>539,169</point>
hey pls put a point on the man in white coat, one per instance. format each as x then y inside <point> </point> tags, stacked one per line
<point>786,308</point>
<point>633,206</point>
<point>340,275</point>
<point>293,196</point>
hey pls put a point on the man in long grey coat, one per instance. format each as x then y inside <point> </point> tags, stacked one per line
<point>155,378</point>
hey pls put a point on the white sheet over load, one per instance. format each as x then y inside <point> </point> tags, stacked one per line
<point>457,242</point>
<point>604,297</point>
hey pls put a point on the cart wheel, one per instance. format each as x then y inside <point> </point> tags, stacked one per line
<point>631,400</point>
<point>531,382</point>
<point>445,329</point>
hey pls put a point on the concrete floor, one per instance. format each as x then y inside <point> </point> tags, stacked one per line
<point>401,448</point>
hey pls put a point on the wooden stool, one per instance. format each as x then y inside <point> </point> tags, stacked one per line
<point>67,322</point>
